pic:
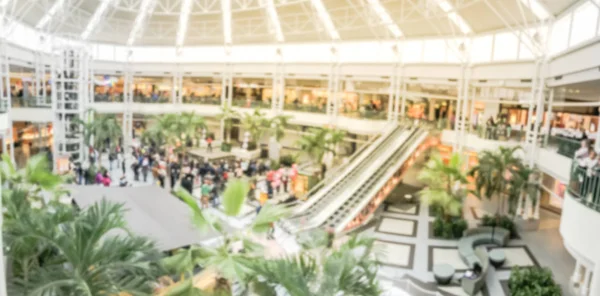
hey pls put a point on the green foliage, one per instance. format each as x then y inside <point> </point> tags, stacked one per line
<point>277,126</point>
<point>226,147</point>
<point>256,124</point>
<point>35,176</point>
<point>61,252</point>
<point>445,183</point>
<point>228,114</point>
<point>320,141</point>
<point>533,281</point>
<point>174,130</point>
<point>287,160</point>
<point>503,221</point>
<point>492,174</point>
<point>235,196</point>
<point>96,132</point>
<point>252,146</point>
<point>451,229</point>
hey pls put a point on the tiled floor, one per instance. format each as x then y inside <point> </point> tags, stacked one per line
<point>408,209</point>
<point>449,256</point>
<point>397,226</point>
<point>395,254</point>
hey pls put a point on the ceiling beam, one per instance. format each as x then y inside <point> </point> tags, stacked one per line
<point>385,18</point>
<point>98,14</point>
<point>146,8</point>
<point>274,20</point>
<point>184,17</point>
<point>451,13</point>
<point>50,14</point>
<point>226,11</point>
<point>325,19</point>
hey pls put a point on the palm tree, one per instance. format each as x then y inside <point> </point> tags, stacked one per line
<point>492,174</point>
<point>192,125</point>
<point>90,253</point>
<point>321,270</point>
<point>445,185</point>
<point>255,124</point>
<point>228,114</point>
<point>314,144</point>
<point>522,184</point>
<point>101,133</point>
<point>226,265</point>
<point>276,128</point>
<point>35,177</point>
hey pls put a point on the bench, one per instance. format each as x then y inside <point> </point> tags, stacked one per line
<point>471,256</point>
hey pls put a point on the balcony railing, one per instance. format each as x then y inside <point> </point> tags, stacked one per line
<point>304,108</point>
<point>30,102</point>
<point>152,99</point>
<point>584,185</point>
<point>202,100</point>
<point>250,103</point>
<point>114,98</point>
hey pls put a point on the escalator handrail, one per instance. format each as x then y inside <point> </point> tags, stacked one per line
<point>344,169</point>
<point>418,132</point>
<point>339,198</point>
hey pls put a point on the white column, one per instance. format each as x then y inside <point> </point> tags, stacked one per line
<point>403,94</point>
<point>576,277</point>
<point>595,281</point>
<point>392,94</point>
<point>549,116</point>
<point>585,287</point>
<point>472,108</point>
<point>278,97</point>
<point>333,88</point>
<point>128,86</point>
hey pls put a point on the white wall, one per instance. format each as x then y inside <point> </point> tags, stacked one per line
<point>31,114</point>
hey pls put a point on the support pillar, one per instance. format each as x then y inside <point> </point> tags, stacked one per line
<point>177,89</point>
<point>333,88</point>
<point>594,282</point>
<point>5,96</point>
<point>549,116</point>
<point>70,79</point>
<point>226,88</point>
<point>576,277</point>
<point>403,94</point>
<point>278,97</point>
<point>585,287</point>
<point>128,102</point>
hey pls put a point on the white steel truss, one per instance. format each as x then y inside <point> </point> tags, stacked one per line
<point>58,5</point>
<point>325,19</point>
<point>144,13</point>
<point>71,91</point>
<point>226,11</point>
<point>184,18</point>
<point>96,18</point>
<point>385,18</point>
<point>274,20</point>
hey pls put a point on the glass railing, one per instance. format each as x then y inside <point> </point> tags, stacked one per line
<point>584,184</point>
<point>201,100</point>
<point>252,103</point>
<point>367,114</point>
<point>152,99</point>
<point>104,98</point>
<point>30,102</point>
<point>566,146</point>
<point>304,108</point>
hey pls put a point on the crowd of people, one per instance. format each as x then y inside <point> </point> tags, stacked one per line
<point>204,180</point>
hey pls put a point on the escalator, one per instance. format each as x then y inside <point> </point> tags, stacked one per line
<point>332,196</point>
<point>359,200</point>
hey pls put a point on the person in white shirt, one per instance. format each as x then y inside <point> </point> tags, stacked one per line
<point>591,165</point>
<point>581,156</point>
<point>582,153</point>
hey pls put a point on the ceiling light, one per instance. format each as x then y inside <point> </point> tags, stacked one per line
<point>226,10</point>
<point>95,18</point>
<point>184,17</point>
<point>385,18</point>
<point>50,14</point>
<point>537,8</point>
<point>270,6</point>
<point>145,9</point>
<point>325,19</point>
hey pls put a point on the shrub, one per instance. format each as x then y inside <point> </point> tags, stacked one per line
<point>226,147</point>
<point>502,221</point>
<point>252,146</point>
<point>532,281</point>
<point>449,230</point>
<point>287,160</point>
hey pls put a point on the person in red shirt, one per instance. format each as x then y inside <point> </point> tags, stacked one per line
<point>209,141</point>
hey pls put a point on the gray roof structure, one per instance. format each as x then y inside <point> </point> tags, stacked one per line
<point>151,211</point>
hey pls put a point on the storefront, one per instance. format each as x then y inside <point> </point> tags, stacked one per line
<point>152,89</point>
<point>201,90</point>
<point>552,193</point>
<point>108,88</point>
